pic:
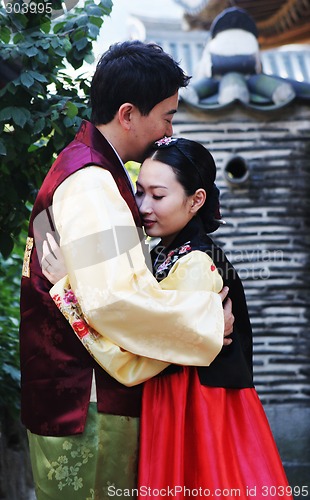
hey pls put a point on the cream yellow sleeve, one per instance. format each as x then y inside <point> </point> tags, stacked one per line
<point>119,296</point>
<point>127,368</point>
<point>194,271</point>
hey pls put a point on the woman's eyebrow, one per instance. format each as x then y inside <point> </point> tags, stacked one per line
<point>152,187</point>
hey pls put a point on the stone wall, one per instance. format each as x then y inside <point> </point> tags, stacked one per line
<point>267,237</point>
<point>15,472</point>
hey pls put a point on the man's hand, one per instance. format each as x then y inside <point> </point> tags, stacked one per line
<point>228,315</point>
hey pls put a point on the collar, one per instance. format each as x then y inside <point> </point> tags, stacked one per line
<point>125,169</point>
<point>91,136</point>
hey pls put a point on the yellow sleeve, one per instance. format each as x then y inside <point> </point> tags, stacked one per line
<point>127,368</point>
<point>194,271</point>
<point>119,297</point>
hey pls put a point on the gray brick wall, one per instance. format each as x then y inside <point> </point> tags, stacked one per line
<point>267,237</point>
<point>267,233</point>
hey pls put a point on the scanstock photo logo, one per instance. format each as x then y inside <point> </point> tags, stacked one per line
<point>117,251</point>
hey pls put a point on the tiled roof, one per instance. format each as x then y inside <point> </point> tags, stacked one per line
<point>290,62</point>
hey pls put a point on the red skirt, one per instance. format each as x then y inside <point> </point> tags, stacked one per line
<point>198,441</point>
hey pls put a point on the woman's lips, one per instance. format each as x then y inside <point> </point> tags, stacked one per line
<point>148,223</point>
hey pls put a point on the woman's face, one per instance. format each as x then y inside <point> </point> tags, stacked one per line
<point>163,204</point>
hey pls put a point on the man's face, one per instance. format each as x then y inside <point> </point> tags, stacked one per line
<point>148,129</point>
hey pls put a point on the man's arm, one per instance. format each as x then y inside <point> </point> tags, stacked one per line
<point>118,294</point>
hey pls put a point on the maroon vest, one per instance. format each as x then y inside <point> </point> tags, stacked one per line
<point>56,369</point>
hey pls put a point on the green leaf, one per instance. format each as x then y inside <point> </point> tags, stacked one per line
<point>93,10</point>
<point>60,51</point>
<point>39,125</point>
<point>93,31</point>
<point>78,35</point>
<point>72,110</point>
<point>20,116</point>
<point>81,20</point>
<point>68,122</point>
<point>6,244</point>
<point>66,44</point>
<point>5,34</point>
<point>46,27</point>
<point>58,27</point>
<point>26,79</point>
<point>81,44</point>
<point>2,149</point>
<point>6,113</point>
<point>19,37</point>
<point>55,42</point>
<point>97,21</point>
<point>107,6</point>
<point>89,58</point>
<point>37,76</point>
<point>19,21</point>
<point>32,51</point>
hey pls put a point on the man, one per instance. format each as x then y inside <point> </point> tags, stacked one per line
<point>79,447</point>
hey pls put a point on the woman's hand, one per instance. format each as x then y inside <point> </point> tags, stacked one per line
<point>228,315</point>
<point>53,264</point>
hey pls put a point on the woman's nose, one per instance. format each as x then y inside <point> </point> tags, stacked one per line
<point>145,207</point>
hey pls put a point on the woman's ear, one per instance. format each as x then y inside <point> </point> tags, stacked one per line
<point>198,199</point>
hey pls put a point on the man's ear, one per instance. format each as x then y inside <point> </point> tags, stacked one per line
<point>125,115</point>
<point>198,199</point>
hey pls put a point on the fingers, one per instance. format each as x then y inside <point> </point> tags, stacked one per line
<point>228,320</point>
<point>48,258</point>
<point>45,250</point>
<point>52,243</point>
<point>46,254</point>
<point>223,293</point>
<point>228,306</point>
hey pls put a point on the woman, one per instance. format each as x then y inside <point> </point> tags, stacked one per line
<point>202,429</point>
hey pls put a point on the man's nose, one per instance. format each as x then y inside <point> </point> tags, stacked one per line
<point>169,131</point>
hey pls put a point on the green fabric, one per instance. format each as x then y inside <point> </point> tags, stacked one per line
<point>87,466</point>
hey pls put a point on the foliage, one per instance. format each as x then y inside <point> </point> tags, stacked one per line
<point>10,273</point>
<point>133,169</point>
<point>41,105</point>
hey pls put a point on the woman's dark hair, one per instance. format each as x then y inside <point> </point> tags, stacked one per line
<point>136,72</point>
<point>194,168</point>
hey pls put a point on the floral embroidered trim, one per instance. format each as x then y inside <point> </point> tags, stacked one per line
<point>166,141</point>
<point>162,270</point>
<point>69,306</point>
<point>171,258</point>
<point>27,256</point>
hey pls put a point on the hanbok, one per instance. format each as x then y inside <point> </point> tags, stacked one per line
<point>203,431</point>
